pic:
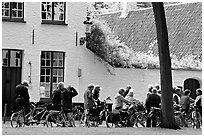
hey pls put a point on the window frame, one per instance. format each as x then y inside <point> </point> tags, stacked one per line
<point>9,58</point>
<point>52,21</point>
<point>14,19</point>
<point>51,68</point>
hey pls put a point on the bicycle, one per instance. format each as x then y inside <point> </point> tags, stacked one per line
<point>183,119</point>
<point>56,118</point>
<point>97,115</point>
<point>195,114</point>
<point>18,117</point>
<point>139,116</point>
<point>155,115</point>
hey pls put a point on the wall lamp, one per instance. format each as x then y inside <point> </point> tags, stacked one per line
<point>88,23</point>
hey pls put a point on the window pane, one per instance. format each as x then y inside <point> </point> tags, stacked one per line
<point>20,5</point>
<point>59,11</point>
<point>60,63</point>
<point>14,13</point>
<point>55,55</point>
<point>47,71</point>
<point>60,55</point>
<point>43,63</point>
<point>42,72</point>
<point>48,55</point>
<point>60,72</point>
<point>47,79</point>
<point>55,63</point>
<point>54,72</point>
<point>15,59</point>
<point>20,14</point>
<point>60,79</point>
<point>14,5</point>
<point>42,79</point>
<point>43,15</point>
<point>54,79</point>
<point>5,57</point>
<point>47,62</point>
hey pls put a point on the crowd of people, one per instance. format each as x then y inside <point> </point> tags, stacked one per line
<point>124,98</point>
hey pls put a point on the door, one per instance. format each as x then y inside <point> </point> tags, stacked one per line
<point>11,76</point>
<point>192,84</point>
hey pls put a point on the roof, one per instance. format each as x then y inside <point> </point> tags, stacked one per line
<point>138,30</point>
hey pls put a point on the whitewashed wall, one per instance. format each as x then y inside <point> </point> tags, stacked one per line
<point>63,38</point>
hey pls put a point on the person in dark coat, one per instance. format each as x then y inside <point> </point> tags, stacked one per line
<point>152,100</point>
<point>22,96</point>
<point>89,103</point>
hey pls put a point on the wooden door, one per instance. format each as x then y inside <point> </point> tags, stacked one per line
<point>11,76</point>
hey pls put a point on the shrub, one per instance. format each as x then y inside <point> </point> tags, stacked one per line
<point>106,45</point>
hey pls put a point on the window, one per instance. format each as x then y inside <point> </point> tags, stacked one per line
<point>11,58</point>
<point>53,12</point>
<point>13,11</point>
<point>52,70</point>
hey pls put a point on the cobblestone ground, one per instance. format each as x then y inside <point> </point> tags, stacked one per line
<point>101,130</point>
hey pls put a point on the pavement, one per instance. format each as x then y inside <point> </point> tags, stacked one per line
<point>101,130</point>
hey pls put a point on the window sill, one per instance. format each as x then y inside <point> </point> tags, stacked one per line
<point>54,22</point>
<point>14,20</point>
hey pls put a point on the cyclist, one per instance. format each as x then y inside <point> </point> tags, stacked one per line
<point>152,100</point>
<point>22,96</point>
<point>130,97</point>
<point>198,100</point>
<point>185,101</point>
<point>119,101</point>
<point>89,103</point>
<point>62,99</point>
<point>96,94</point>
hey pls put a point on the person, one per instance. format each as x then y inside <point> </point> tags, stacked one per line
<point>119,100</point>
<point>62,99</point>
<point>130,97</point>
<point>152,100</point>
<point>185,101</point>
<point>127,90</point>
<point>198,100</point>
<point>150,87</point>
<point>96,94</point>
<point>89,103</point>
<point>176,97</point>
<point>67,96</point>
<point>22,96</point>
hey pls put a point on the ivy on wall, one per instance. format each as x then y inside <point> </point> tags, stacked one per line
<point>106,45</point>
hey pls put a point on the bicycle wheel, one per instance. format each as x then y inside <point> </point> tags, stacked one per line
<point>141,119</point>
<point>17,120</point>
<point>133,119</point>
<point>50,120</point>
<point>189,122</point>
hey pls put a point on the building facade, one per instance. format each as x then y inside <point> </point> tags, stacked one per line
<point>41,44</point>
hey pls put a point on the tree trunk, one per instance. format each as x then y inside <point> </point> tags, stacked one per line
<point>168,120</point>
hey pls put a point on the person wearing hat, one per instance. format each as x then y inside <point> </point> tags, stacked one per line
<point>22,96</point>
<point>89,103</point>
